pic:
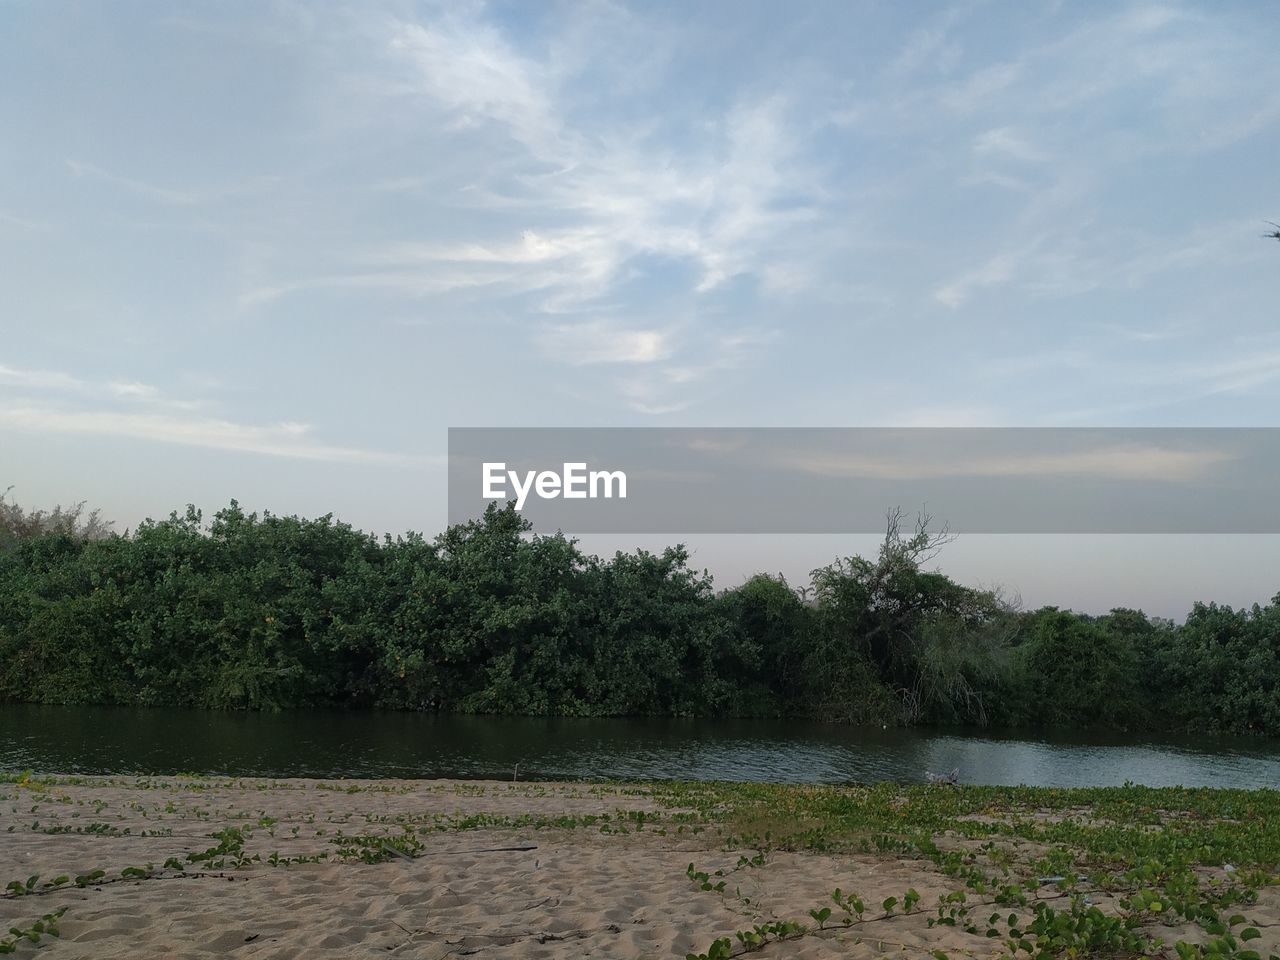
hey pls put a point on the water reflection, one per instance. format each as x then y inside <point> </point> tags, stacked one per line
<point>331,744</point>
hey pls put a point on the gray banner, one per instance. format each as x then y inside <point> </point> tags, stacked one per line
<point>844,480</point>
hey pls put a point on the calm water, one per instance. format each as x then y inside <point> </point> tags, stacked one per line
<point>112,740</point>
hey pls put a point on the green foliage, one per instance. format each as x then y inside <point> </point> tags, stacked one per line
<point>46,926</point>
<point>1223,667</point>
<point>1074,673</point>
<point>1140,881</point>
<point>258,612</point>
<point>720,949</point>
<point>917,634</point>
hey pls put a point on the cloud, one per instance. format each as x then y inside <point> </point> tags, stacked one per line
<point>39,379</point>
<point>982,87</point>
<point>997,270</point>
<point>1005,143</point>
<point>1243,375</point>
<point>153,416</point>
<point>599,342</point>
<point>650,394</point>
<point>576,214</point>
<point>55,380</point>
<point>616,195</point>
<point>574,198</point>
<point>934,46</point>
<point>671,384</point>
<point>1117,462</point>
<point>149,190</point>
<point>470,68</point>
<point>1053,123</point>
<point>569,265</point>
<point>1064,261</point>
<point>22,222</point>
<point>290,440</point>
<point>125,388</point>
<point>599,203</point>
<point>715,444</point>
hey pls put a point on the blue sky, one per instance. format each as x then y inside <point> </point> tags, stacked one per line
<point>273,250</point>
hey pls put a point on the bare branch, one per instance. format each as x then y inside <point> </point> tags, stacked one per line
<point>19,524</point>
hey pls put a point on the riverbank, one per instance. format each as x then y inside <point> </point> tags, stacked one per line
<point>195,867</point>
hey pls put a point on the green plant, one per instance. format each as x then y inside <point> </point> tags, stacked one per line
<point>46,926</point>
<point>703,880</point>
<point>720,949</point>
<point>20,888</point>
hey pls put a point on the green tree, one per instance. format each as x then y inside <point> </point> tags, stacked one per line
<point>1074,673</point>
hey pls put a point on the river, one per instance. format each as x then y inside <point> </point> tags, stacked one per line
<point>317,743</point>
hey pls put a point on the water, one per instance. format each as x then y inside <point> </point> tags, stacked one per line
<point>315,743</point>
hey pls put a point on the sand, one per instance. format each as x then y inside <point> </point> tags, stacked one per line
<point>534,889</point>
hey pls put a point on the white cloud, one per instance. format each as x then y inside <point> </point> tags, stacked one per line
<point>574,207</point>
<point>933,47</point>
<point>39,379</point>
<point>1063,261</point>
<point>997,270</point>
<point>23,222</point>
<point>470,68</point>
<point>1054,124</point>
<point>1241,375</point>
<point>55,380</point>
<point>672,385</point>
<point>1119,462</point>
<point>130,388</point>
<point>650,395</point>
<point>161,419</point>
<point>149,190</point>
<point>600,342</point>
<point>1006,143</point>
<point>615,193</point>
<point>982,87</point>
<point>291,440</point>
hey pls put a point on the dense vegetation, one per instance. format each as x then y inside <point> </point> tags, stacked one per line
<point>266,612</point>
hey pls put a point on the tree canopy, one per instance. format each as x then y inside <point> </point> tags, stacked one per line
<point>253,611</point>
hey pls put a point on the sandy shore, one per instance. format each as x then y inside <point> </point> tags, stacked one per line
<point>492,870</point>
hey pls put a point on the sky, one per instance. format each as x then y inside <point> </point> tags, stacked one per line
<point>274,250</point>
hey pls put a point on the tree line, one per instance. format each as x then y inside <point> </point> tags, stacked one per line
<point>266,612</point>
